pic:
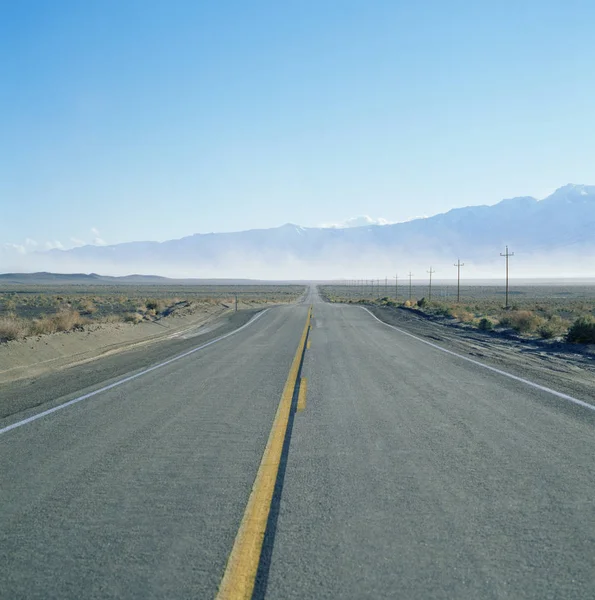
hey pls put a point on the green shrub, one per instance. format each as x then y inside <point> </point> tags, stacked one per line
<point>485,324</point>
<point>439,308</point>
<point>553,327</point>
<point>582,330</point>
<point>153,305</point>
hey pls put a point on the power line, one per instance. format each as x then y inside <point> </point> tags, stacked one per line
<point>431,271</point>
<point>507,255</point>
<point>459,265</point>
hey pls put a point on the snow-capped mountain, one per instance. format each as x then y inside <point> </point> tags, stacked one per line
<point>561,224</point>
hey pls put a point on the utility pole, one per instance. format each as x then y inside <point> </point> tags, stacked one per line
<point>386,287</point>
<point>507,254</point>
<point>458,266</point>
<point>431,271</point>
<point>396,287</point>
<point>410,275</point>
<point>236,297</point>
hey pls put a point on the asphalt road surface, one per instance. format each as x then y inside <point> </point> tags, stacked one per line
<point>409,473</point>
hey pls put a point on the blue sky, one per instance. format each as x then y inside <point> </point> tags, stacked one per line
<point>147,120</point>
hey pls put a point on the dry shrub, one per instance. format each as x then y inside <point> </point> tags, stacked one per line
<point>11,328</point>
<point>42,326</point>
<point>65,320</point>
<point>112,319</point>
<point>522,321</point>
<point>87,306</point>
<point>463,315</point>
<point>133,318</point>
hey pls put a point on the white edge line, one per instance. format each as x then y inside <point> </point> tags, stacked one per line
<point>480,364</point>
<point>129,378</point>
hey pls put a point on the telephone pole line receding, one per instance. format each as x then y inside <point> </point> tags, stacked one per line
<point>410,275</point>
<point>396,287</point>
<point>431,271</point>
<point>507,255</point>
<point>458,266</point>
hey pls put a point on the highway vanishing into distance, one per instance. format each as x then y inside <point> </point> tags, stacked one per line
<point>315,452</point>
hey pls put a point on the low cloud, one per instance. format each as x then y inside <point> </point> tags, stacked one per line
<point>18,248</point>
<point>361,221</point>
<point>54,245</point>
<point>367,221</point>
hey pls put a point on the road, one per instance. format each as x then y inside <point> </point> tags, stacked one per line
<point>409,473</point>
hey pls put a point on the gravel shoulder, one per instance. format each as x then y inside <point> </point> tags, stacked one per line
<point>568,368</point>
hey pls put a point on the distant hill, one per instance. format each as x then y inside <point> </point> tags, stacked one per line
<point>45,278</point>
<point>538,231</point>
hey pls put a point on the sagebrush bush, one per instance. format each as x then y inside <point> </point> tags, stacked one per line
<point>582,330</point>
<point>553,327</point>
<point>522,321</point>
<point>485,324</point>
<point>87,306</point>
<point>441,309</point>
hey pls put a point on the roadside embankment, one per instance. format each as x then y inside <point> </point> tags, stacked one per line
<point>36,355</point>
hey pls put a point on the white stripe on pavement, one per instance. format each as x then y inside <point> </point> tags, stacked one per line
<point>480,364</point>
<point>129,378</point>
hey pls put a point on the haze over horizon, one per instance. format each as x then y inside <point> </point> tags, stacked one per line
<point>553,237</point>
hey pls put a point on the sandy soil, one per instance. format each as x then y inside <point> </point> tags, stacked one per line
<point>34,356</point>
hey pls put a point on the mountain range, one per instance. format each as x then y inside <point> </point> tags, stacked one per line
<point>542,233</point>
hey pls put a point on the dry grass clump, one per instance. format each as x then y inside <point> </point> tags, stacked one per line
<point>134,318</point>
<point>522,321</point>
<point>12,328</point>
<point>64,320</point>
<point>463,315</point>
<point>110,319</point>
<point>87,306</point>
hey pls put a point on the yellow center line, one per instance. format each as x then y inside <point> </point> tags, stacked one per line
<point>242,564</point>
<point>302,394</point>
